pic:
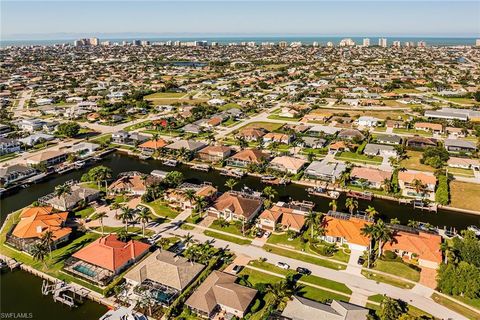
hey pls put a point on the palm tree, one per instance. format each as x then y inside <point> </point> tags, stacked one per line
<point>163,242</point>
<point>62,191</point>
<point>418,185</point>
<point>143,217</point>
<point>190,195</point>
<point>394,221</point>
<point>382,234</point>
<point>344,178</point>
<point>200,204</point>
<point>387,185</point>
<point>39,252</point>
<point>270,193</point>
<point>126,214</point>
<point>101,173</point>
<point>369,231</point>
<point>333,205</point>
<point>371,211</point>
<point>100,216</point>
<point>312,221</point>
<point>279,291</point>
<point>351,204</point>
<point>230,183</point>
<point>47,240</point>
<point>188,240</point>
<point>122,235</point>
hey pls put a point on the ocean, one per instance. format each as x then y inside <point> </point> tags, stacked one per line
<point>322,40</point>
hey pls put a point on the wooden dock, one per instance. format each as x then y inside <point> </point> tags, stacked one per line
<point>10,263</point>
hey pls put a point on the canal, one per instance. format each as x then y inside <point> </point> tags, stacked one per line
<point>20,291</point>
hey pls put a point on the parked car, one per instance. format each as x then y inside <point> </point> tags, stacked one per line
<point>236,269</point>
<point>302,270</point>
<point>361,261</point>
<point>259,233</point>
<point>283,265</point>
<point>267,234</point>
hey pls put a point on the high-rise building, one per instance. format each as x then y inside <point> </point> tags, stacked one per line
<point>93,41</point>
<point>382,42</point>
<point>145,43</point>
<point>421,44</point>
<point>315,44</point>
<point>283,44</point>
<point>366,42</point>
<point>347,42</point>
<point>409,44</point>
<point>477,42</point>
<point>396,44</point>
<point>330,44</point>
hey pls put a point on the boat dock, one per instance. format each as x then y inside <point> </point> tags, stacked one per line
<point>419,204</point>
<point>10,262</point>
<point>360,195</point>
<point>321,192</point>
<point>201,167</point>
<point>236,173</point>
<point>64,293</point>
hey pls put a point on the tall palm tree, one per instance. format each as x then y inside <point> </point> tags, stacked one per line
<point>143,217</point>
<point>418,185</point>
<point>102,174</point>
<point>47,240</point>
<point>333,205</point>
<point>351,204</point>
<point>39,253</point>
<point>122,235</point>
<point>369,231</point>
<point>383,234</point>
<point>188,240</point>
<point>100,216</point>
<point>62,191</point>
<point>200,204</point>
<point>371,211</point>
<point>313,221</point>
<point>387,185</point>
<point>126,215</point>
<point>190,195</point>
<point>230,183</point>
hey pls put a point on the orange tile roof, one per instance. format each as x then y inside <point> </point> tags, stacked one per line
<point>348,229</point>
<point>370,174</point>
<point>251,155</point>
<point>35,221</point>
<point>110,253</point>
<point>133,183</point>
<point>409,176</point>
<point>237,204</point>
<point>286,216</point>
<point>425,245</point>
<point>289,162</point>
<point>154,144</point>
<point>428,125</point>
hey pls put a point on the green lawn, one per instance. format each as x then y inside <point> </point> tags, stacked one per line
<point>412,132</point>
<point>320,295</point>
<point>455,306</point>
<point>386,279</point>
<point>102,139</point>
<point>138,126</point>
<point>137,230</point>
<point>412,161</point>
<point>326,283</point>
<point>360,158</point>
<point>230,123</point>
<point>165,95</point>
<point>254,277</point>
<point>277,117</point>
<point>398,269</point>
<point>270,126</point>
<point>232,228</point>
<point>461,172</point>
<point>225,237</point>
<point>162,209</point>
<point>8,156</point>
<point>85,213</point>
<point>303,257</point>
<point>230,105</point>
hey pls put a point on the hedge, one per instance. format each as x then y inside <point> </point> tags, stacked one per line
<point>442,195</point>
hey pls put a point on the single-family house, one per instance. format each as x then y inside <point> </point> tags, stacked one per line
<point>323,170</point>
<point>237,206</point>
<point>370,177</point>
<point>419,142</point>
<point>373,149</point>
<point>8,145</point>
<point>300,308</point>
<point>47,158</point>
<point>189,145</point>
<point>283,215</point>
<point>417,184</point>
<point>278,137</point>
<point>367,121</point>
<point>429,127</point>
<point>69,200</point>
<point>390,139</point>
<point>214,153</point>
<point>15,173</point>
<point>246,157</point>
<point>287,164</point>
<point>343,228</point>
<point>460,146</point>
<point>252,134</point>
<point>150,146</point>
<point>463,163</point>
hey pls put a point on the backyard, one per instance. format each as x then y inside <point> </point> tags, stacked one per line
<point>459,191</point>
<point>412,161</point>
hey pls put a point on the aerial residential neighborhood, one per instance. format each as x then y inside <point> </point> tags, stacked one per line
<point>314,178</point>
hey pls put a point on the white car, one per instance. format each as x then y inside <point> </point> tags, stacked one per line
<point>283,265</point>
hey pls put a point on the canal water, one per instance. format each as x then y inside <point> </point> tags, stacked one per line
<point>20,292</point>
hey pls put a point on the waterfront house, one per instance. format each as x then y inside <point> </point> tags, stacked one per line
<point>68,201</point>
<point>35,138</point>
<point>47,158</point>
<point>177,198</point>
<point>164,274</point>
<point>84,149</point>
<point>133,183</point>
<point>214,153</point>
<point>369,177</point>
<point>351,135</point>
<point>103,259</point>
<point>33,224</point>
<point>343,228</point>
<point>284,216</point>
<point>150,146</point>
<point>189,145</point>
<point>128,138</point>
<point>418,142</point>
<point>236,206</point>
<point>323,170</point>
<point>8,145</point>
<point>15,173</point>
<point>424,189</point>
<point>246,157</point>
<point>220,295</point>
<point>460,146</point>
<point>31,125</point>
<point>300,308</point>
<point>417,245</point>
<point>287,164</point>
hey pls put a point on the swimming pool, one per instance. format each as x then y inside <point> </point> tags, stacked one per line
<point>85,270</point>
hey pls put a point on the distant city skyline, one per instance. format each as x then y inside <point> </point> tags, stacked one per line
<point>116,19</point>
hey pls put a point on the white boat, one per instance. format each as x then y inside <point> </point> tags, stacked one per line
<point>171,163</point>
<point>321,192</point>
<point>475,229</point>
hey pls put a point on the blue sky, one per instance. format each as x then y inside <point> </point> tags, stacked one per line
<point>34,19</point>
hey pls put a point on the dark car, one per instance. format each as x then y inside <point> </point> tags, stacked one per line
<point>260,233</point>
<point>236,269</point>
<point>302,270</point>
<point>361,261</point>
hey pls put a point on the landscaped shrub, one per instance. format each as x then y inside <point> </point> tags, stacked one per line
<point>389,255</point>
<point>256,305</point>
<point>442,193</point>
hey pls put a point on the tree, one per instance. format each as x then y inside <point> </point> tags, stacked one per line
<point>188,240</point>
<point>312,221</point>
<point>333,205</point>
<point>270,193</point>
<point>122,235</point>
<point>351,204</point>
<point>382,234</point>
<point>173,179</point>
<point>62,191</point>
<point>100,174</point>
<point>126,215</point>
<point>230,183</point>
<point>391,309</point>
<point>68,129</point>
<point>369,231</point>
<point>371,211</point>
<point>418,185</point>
<point>143,217</point>
<point>100,216</point>
<point>39,252</point>
<point>163,242</point>
<point>190,195</point>
<point>47,240</point>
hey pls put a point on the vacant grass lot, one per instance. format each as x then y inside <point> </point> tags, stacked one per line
<point>270,126</point>
<point>459,191</point>
<point>412,132</point>
<point>165,95</point>
<point>354,157</point>
<point>399,269</point>
<point>413,162</point>
<point>461,172</point>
